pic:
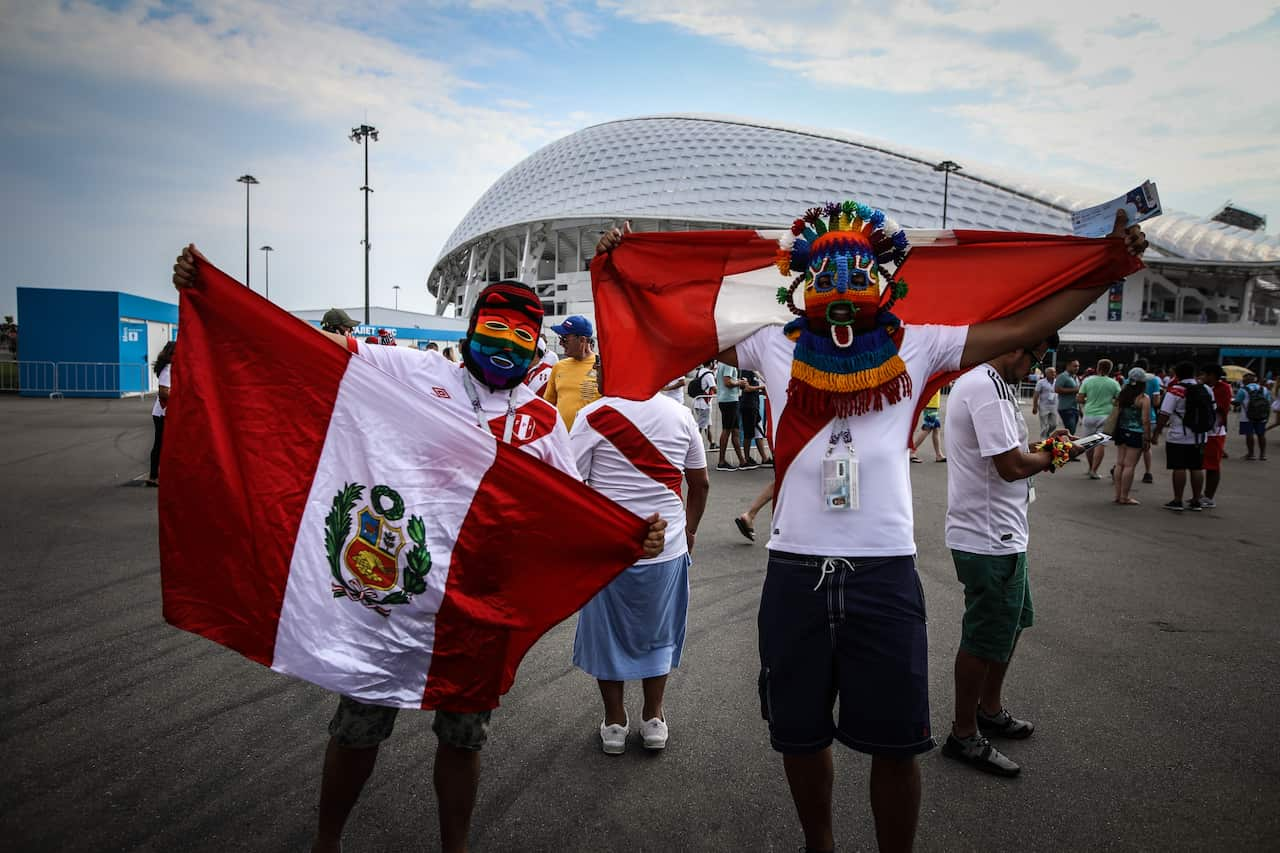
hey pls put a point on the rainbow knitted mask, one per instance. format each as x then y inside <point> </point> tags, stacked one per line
<point>500,340</point>
<point>846,359</point>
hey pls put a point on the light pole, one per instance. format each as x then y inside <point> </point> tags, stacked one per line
<point>396,288</point>
<point>266,260</point>
<point>360,134</point>
<point>946,167</point>
<point>247,180</point>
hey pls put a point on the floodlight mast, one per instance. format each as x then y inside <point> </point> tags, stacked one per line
<point>946,167</point>
<point>363,134</point>
<point>247,180</point>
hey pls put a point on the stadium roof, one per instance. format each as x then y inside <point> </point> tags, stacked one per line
<point>704,168</point>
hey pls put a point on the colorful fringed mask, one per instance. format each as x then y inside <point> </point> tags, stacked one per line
<point>846,359</point>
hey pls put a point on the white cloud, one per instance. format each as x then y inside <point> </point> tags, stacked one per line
<point>1179,94</point>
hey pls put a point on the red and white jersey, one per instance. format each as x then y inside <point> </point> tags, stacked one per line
<point>540,373</point>
<point>635,453</point>
<point>536,427</point>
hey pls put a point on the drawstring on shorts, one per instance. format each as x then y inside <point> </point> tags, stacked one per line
<point>829,567</point>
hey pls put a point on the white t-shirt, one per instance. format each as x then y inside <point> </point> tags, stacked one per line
<point>157,410</point>
<point>985,514</point>
<point>536,427</point>
<point>884,525</point>
<point>635,452</point>
<point>677,393</point>
<point>1174,405</point>
<point>1047,397</point>
<point>541,372</point>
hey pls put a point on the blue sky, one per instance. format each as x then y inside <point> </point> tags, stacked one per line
<point>126,123</point>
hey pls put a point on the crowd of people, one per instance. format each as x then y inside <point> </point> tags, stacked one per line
<point>1188,406</point>
<point>842,612</point>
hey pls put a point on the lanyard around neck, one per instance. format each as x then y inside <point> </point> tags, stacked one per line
<point>474,396</point>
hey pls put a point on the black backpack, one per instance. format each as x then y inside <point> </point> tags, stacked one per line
<point>1199,416</point>
<point>1256,406</point>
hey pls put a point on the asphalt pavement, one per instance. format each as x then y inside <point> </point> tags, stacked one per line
<point>1151,674</point>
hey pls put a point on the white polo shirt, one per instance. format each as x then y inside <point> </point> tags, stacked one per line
<point>985,513</point>
<point>884,525</point>
<point>635,453</point>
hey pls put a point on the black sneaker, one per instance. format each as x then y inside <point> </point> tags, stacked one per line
<point>1004,724</point>
<point>1194,505</point>
<point>978,752</point>
<point>749,465</point>
<point>1146,478</point>
<point>726,466</point>
<point>1176,506</point>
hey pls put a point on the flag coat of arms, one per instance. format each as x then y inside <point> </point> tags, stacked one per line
<point>331,522</point>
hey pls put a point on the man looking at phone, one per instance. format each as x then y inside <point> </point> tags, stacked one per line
<point>988,490</point>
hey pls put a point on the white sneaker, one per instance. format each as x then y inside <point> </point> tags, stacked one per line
<point>654,733</point>
<point>1207,503</point>
<point>613,738</point>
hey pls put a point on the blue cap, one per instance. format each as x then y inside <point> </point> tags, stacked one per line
<point>575,325</point>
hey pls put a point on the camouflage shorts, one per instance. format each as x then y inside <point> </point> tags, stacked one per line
<point>356,725</point>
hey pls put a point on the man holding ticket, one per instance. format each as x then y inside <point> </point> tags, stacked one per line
<point>989,487</point>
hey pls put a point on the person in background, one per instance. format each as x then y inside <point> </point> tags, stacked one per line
<point>572,383</point>
<point>1067,386</point>
<point>746,522</point>
<point>1255,403</point>
<point>540,373</point>
<point>1133,433</point>
<point>636,453</point>
<point>161,368</point>
<point>703,391</point>
<point>1184,451</point>
<point>675,389</point>
<point>728,398</point>
<point>1096,395</point>
<point>1212,377</point>
<point>450,354</point>
<point>432,346</point>
<point>749,405</point>
<point>1154,390</point>
<point>338,322</point>
<point>931,425</point>
<point>1044,402</point>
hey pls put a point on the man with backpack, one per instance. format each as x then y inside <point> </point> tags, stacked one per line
<point>701,390</point>
<point>1187,411</point>
<point>1255,404</point>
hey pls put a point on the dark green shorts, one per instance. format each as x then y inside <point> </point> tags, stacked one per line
<point>356,725</point>
<point>997,602</point>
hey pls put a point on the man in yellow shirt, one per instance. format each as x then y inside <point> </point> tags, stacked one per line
<point>931,425</point>
<point>573,378</point>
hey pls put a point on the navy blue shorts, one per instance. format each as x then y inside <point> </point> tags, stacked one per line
<point>859,637</point>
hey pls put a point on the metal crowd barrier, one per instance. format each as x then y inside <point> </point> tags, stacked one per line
<point>57,379</point>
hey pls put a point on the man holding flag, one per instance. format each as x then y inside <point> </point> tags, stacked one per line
<point>842,610</point>
<point>388,616</point>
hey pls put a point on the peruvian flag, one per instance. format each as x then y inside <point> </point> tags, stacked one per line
<point>332,523</point>
<point>667,301</point>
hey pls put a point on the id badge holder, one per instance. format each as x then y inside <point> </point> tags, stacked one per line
<point>840,480</point>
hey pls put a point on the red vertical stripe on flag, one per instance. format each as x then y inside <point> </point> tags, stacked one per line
<point>633,444</point>
<point>493,611</point>
<point>245,428</point>
<point>658,292</point>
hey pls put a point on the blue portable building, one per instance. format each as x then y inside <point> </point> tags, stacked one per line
<point>90,343</point>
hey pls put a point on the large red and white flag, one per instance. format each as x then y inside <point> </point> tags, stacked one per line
<point>329,522</point>
<point>668,301</point>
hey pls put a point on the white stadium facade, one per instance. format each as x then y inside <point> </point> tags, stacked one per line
<point>1211,289</point>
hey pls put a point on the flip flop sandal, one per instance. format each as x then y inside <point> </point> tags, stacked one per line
<point>745,529</point>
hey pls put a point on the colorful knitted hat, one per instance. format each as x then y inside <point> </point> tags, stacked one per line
<point>846,359</point>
